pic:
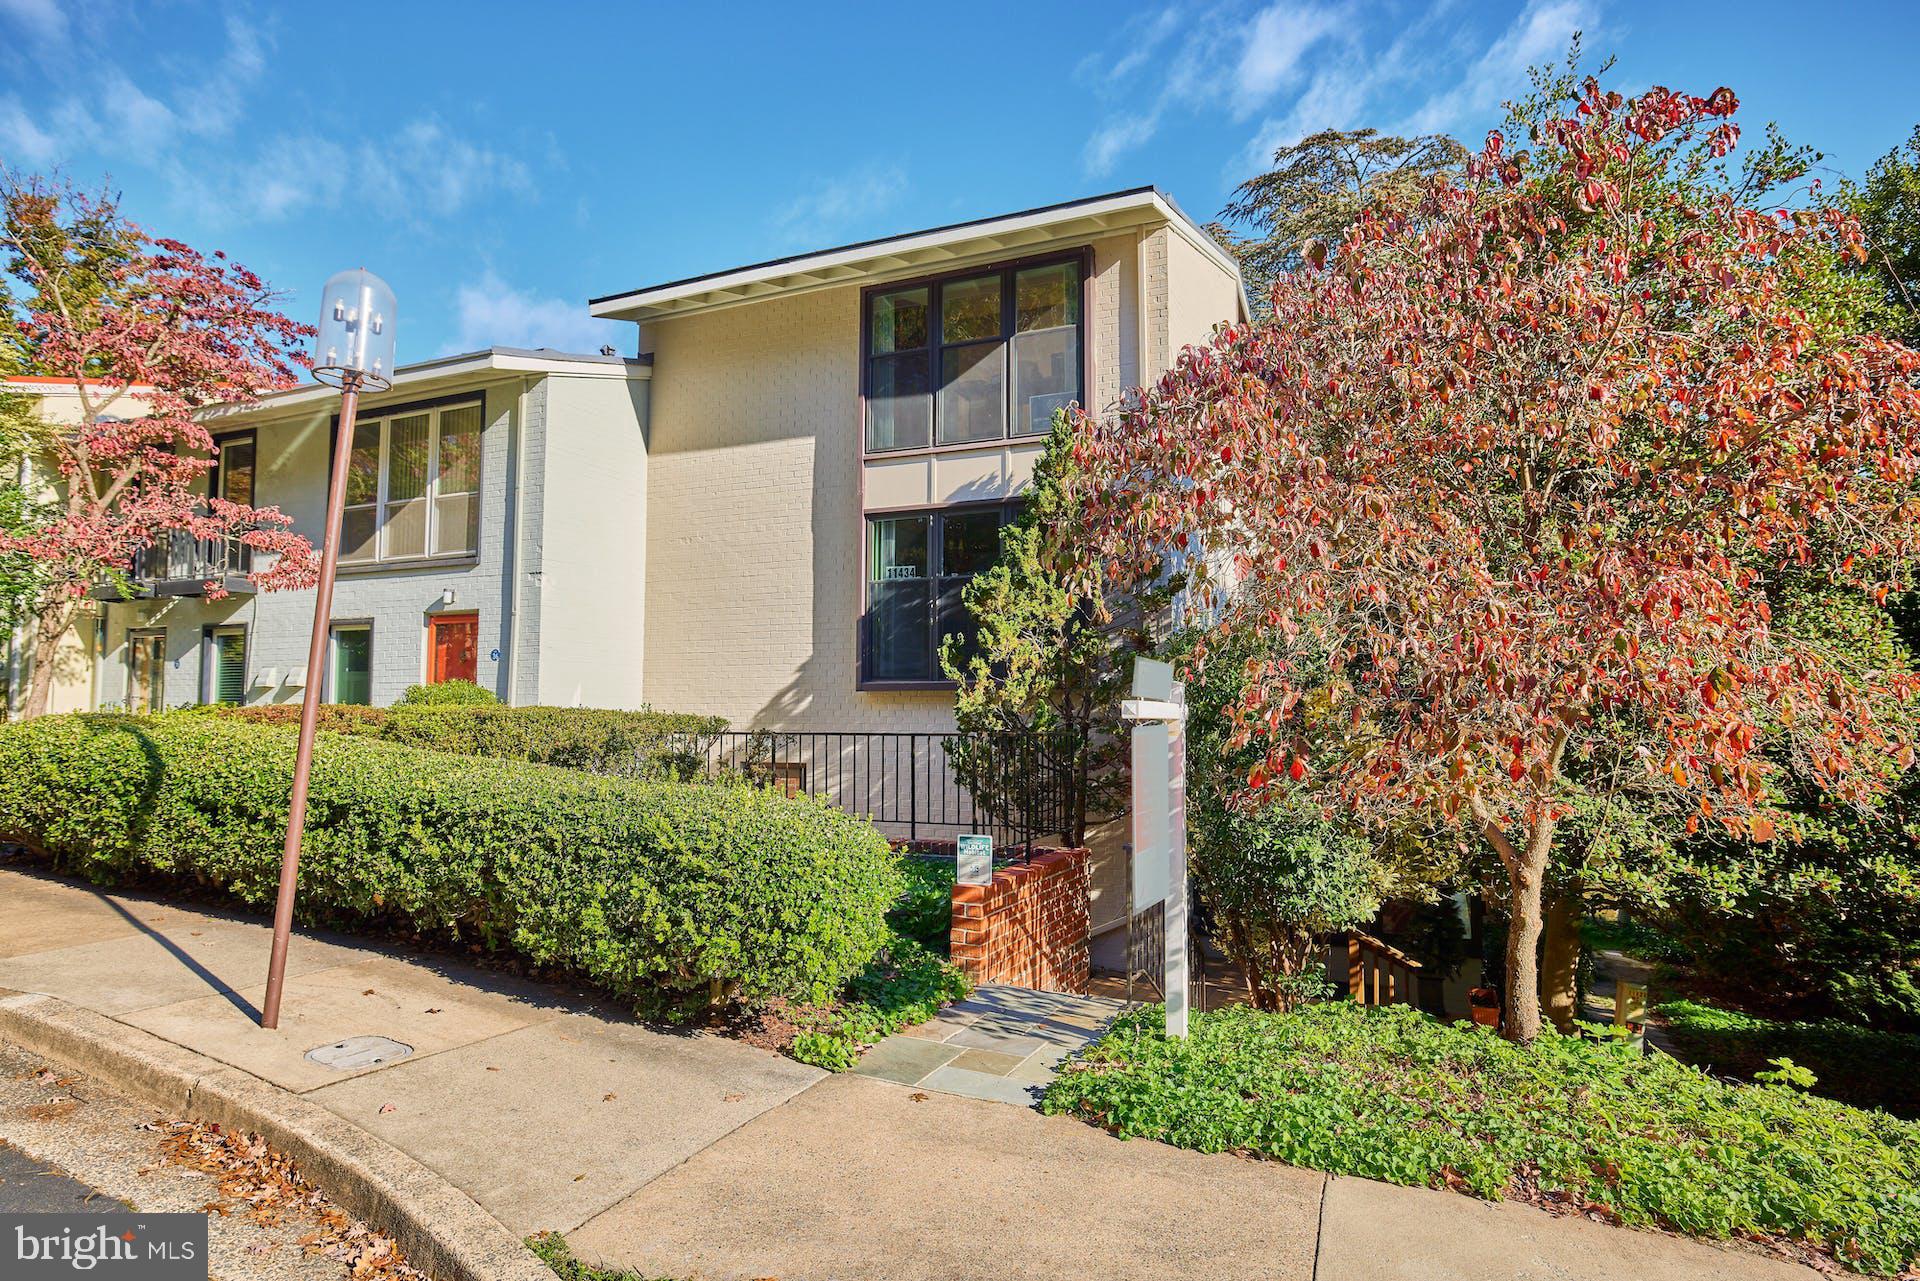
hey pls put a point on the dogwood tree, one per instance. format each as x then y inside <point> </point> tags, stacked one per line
<point>1509,463</point>
<point>149,332</point>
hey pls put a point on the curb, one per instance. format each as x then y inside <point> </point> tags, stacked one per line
<point>438,1227</point>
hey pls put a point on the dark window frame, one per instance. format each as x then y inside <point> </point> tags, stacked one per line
<point>1008,510</point>
<point>220,443</point>
<point>937,346</point>
<point>208,635</point>
<point>364,624</point>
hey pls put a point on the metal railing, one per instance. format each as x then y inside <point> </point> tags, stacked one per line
<point>918,787</point>
<point>178,557</point>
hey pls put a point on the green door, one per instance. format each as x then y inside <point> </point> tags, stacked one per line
<point>228,680</point>
<point>351,680</point>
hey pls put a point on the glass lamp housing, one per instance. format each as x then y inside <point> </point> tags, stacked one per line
<point>355,339</point>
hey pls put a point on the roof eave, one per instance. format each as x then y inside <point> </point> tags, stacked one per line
<point>916,253</point>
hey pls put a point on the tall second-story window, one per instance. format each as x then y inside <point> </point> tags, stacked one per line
<point>972,357</point>
<point>413,485</point>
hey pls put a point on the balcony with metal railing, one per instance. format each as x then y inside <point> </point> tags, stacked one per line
<point>178,564</point>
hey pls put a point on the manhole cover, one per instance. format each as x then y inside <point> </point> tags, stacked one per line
<point>358,1052</point>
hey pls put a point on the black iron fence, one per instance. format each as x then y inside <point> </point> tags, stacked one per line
<point>919,787</point>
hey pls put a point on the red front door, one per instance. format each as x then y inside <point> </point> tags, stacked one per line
<point>453,643</point>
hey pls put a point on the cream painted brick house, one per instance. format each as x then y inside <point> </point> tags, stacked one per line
<point>836,436</point>
<point>766,515</point>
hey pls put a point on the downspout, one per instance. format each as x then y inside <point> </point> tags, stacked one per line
<point>1140,302</point>
<point>516,447</point>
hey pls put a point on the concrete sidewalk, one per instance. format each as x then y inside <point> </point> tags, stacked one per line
<point>696,1156</point>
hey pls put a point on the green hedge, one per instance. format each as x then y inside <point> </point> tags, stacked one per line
<point>642,887</point>
<point>598,740</point>
<point>453,693</point>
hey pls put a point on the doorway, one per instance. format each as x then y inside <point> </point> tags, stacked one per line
<point>453,648</point>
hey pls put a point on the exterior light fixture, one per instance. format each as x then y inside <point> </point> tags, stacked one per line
<point>352,350</point>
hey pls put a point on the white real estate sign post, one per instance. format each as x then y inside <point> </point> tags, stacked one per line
<point>1158,714</point>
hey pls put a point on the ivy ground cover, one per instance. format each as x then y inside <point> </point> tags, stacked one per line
<point>1389,1093</point>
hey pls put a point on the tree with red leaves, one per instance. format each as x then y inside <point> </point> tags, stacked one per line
<point>1500,485</point>
<point>151,332</point>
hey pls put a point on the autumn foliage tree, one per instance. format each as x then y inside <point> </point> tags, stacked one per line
<point>150,332</point>
<point>1509,464</point>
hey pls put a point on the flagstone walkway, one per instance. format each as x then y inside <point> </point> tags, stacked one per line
<point>1001,1044</point>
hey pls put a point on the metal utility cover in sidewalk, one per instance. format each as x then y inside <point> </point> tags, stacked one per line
<point>358,1052</point>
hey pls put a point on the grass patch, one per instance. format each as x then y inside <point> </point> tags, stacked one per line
<point>553,1250</point>
<point>1389,1093</point>
<point>1862,1066</point>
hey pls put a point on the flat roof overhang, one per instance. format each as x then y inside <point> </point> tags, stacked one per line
<point>427,378</point>
<point>917,253</point>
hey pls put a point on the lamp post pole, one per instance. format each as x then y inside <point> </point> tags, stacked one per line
<point>310,701</point>
<point>353,350</point>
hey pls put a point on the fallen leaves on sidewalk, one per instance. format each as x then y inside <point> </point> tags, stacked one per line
<point>269,1188</point>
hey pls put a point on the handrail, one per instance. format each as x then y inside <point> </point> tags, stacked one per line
<point>1380,974</point>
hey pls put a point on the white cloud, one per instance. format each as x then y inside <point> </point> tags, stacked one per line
<point>425,167</point>
<point>491,313</point>
<point>1115,138</point>
<point>1262,51</point>
<point>22,141</point>
<point>43,20</point>
<point>1539,34</point>
<point>1277,41</point>
<point>180,125</point>
<point>836,207</point>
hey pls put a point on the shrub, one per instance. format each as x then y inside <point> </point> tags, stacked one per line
<point>453,693</point>
<point>1862,1066</point>
<point>599,740</point>
<point>924,914</point>
<point>1386,1092</point>
<point>642,887</point>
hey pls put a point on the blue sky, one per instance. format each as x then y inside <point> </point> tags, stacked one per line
<point>500,169</point>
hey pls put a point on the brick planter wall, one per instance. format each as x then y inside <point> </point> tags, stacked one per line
<point>1029,927</point>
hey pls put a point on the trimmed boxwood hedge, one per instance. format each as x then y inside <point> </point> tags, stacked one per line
<point>646,888</point>
<point>598,740</point>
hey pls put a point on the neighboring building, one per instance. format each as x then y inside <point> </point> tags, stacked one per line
<point>76,663</point>
<point>494,530</point>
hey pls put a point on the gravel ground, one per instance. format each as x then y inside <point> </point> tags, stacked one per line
<point>63,1137</point>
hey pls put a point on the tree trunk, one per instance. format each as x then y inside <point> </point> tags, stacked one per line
<point>1559,967</point>
<point>49,625</point>
<point>1523,954</point>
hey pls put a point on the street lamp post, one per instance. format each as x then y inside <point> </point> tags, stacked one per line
<point>353,350</point>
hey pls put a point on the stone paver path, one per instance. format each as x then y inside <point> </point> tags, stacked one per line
<point>1001,1044</point>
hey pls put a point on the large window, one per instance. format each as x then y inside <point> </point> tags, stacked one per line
<point>918,565</point>
<point>413,486</point>
<point>972,357</point>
